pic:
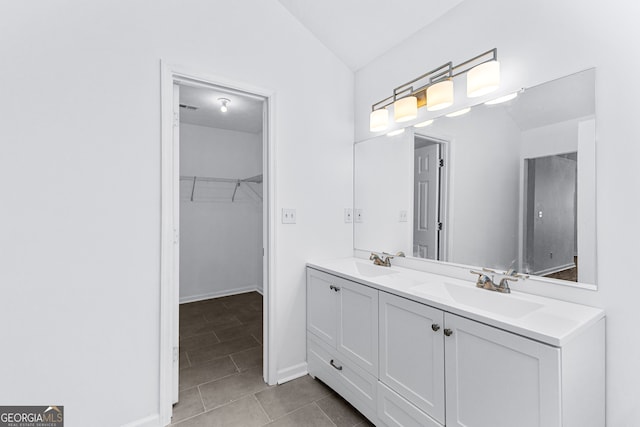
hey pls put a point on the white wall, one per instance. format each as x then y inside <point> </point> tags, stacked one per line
<point>221,240</point>
<point>80,178</point>
<point>537,42</point>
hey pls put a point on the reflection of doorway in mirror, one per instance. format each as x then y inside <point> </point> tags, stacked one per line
<point>550,216</point>
<point>427,226</point>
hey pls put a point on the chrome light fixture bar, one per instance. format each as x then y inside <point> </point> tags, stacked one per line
<point>436,89</point>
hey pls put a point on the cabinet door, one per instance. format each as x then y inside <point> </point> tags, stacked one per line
<point>499,379</point>
<point>412,352</point>
<point>358,324</point>
<point>321,306</point>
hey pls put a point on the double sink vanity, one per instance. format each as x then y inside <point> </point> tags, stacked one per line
<point>411,348</point>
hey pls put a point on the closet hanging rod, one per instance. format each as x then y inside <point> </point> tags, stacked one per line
<point>256,179</point>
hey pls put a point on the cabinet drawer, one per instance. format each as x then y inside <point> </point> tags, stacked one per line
<point>353,383</point>
<point>395,411</point>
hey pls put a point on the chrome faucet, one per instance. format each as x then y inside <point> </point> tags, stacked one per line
<point>384,261</point>
<point>486,282</point>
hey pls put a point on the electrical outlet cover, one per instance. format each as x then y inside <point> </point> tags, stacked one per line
<point>348,215</point>
<point>288,216</point>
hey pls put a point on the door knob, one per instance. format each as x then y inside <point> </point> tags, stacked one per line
<point>448,332</point>
<point>435,327</point>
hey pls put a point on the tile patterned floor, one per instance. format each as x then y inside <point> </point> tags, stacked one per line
<point>221,374</point>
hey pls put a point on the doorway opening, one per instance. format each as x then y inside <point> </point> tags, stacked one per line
<point>216,236</point>
<point>550,216</point>
<point>429,191</point>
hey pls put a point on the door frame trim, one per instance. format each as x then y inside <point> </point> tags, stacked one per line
<point>169,239</point>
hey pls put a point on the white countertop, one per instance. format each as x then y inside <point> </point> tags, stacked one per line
<point>547,320</point>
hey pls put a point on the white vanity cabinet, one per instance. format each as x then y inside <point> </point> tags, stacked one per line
<point>342,337</point>
<point>437,368</point>
<point>411,358</point>
<point>499,379</point>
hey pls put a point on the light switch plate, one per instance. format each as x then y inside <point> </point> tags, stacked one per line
<point>403,216</point>
<point>288,216</point>
<point>348,215</point>
<point>358,215</point>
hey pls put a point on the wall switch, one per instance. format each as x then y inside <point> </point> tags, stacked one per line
<point>348,215</point>
<point>358,215</point>
<point>288,216</point>
<point>403,216</point>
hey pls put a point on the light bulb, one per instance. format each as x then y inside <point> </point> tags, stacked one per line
<point>223,104</point>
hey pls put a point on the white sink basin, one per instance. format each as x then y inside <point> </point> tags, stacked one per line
<point>494,302</point>
<point>370,270</point>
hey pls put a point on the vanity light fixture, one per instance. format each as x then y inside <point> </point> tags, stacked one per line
<point>502,99</point>
<point>396,132</point>
<point>223,104</point>
<point>435,89</point>
<point>405,109</point>
<point>379,120</point>
<point>483,79</point>
<point>423,124</point>
<point>440,95</point>
<point>459,112</point>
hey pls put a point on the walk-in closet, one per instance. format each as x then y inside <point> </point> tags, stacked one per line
<point>221,241</point>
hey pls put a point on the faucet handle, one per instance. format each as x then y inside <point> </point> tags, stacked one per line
<point>483,281</point>
<point>503,286</point>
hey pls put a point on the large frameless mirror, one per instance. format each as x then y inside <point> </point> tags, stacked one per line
<point>506,186</point>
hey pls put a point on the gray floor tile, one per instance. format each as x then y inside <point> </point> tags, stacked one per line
<point>222,316</point>
<point>285,398</point>
<point>237,331</point>
<point>248,316</point>
<point>248,359</point>
<point>245,412</point>
<point>205,372</point>
<point>198,341</point>
<point>188,319</point>
<point>307,416</point>
<point>191,330</point>
<point>221,349</point>
<point>184,360</point>
<point>189,405</point>
<point>228,389</point>
<point>340,412</point>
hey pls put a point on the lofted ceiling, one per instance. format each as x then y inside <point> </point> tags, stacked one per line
<point>358,31</point>
<point>244,111</point>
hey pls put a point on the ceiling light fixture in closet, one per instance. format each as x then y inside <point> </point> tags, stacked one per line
<point>223,104</point>
<point>436,89</point>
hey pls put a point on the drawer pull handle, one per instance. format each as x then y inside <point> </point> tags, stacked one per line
<point>339,368</point>
<point>448,332</point>
<point>334,288</point>
<point>435,327</point>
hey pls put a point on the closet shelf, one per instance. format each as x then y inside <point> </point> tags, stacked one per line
<point>220,188</point>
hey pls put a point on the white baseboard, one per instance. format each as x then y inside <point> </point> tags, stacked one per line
<point>260,291</point>
<point>292,373</point>
<point>150,421</point>
<point>218,294</point>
